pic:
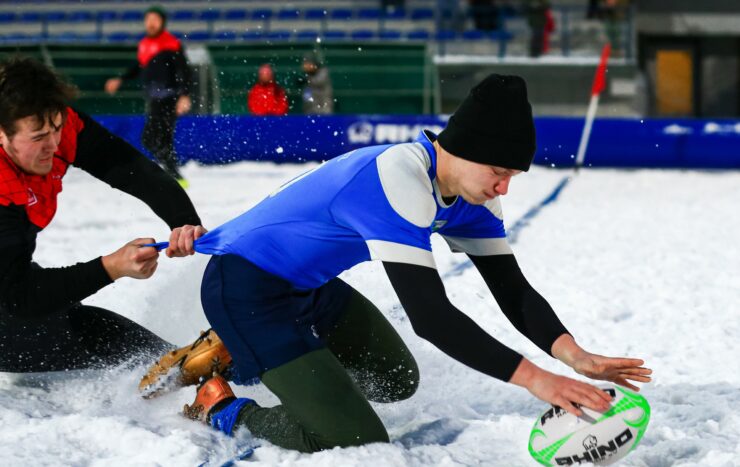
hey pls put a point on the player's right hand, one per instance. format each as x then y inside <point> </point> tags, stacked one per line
<point>559,390</point>
<point>112,85</point>
<point>132,260</point>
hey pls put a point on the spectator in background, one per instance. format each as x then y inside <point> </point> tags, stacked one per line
<point>318,93</point>
<point>538,13</point>
<point>614,12</point>
<point>166,78</point>
<point>267,97</point>
<point>485,14</point>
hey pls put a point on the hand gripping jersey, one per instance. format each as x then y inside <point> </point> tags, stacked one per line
<point>376,203</point>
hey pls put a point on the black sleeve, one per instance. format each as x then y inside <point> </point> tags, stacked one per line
<point>28,291</point>
<point>435,319</point>
<point>114,161</point>
<point>183,75</point>
<point>527,310</point>
<point>131,72</point>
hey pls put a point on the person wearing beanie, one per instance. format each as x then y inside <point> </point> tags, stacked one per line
<point>272,294</point>
<point>166,77</point>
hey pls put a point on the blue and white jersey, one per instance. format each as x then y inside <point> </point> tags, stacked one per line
<point>376,203</point>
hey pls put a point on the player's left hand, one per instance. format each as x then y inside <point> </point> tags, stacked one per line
<point>182,238</point>
<point>616,370</point>
<point>183,105</point>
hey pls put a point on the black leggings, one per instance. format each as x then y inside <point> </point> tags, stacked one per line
<point>158,136</point>
<point>78,338</point>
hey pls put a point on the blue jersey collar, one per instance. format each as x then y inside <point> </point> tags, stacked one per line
<point>426,138</point>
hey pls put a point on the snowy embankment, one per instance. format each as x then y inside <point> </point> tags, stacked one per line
<point>637,263</point>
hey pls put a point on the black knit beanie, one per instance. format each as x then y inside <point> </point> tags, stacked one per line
<point>493,125</point>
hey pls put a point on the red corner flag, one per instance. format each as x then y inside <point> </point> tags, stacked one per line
<point>598,86</point>
<point>600,78</point>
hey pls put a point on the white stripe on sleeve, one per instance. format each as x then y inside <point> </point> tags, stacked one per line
<point>399,253</point>
<point>479,246</point>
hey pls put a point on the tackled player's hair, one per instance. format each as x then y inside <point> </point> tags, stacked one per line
<point>30,88</point>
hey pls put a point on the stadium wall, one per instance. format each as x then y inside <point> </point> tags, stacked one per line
<point>615,142</point>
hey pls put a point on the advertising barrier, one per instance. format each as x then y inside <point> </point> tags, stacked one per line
<point>615,142</point>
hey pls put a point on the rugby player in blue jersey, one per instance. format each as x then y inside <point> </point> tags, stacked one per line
<point>271,291</point>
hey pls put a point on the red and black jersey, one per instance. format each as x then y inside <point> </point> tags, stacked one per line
<point>28,203</point>
<point>162,66</point>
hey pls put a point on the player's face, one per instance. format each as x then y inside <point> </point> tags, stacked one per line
<point>478,183</point>
<point>152,24</point>
<point>33,145</point>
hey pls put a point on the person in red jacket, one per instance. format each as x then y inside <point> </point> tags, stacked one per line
<point>166,78</point>
<point>267,97</point>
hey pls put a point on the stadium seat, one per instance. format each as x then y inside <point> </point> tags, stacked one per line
<point>368,13</point>
<point>341,14</point>
<point>422,14</point>
<point>289,14</point>
<point>119,36</point>
<point>107,15</point>
<point>235,15</point>
<point>198,36</point>
<point>418,35</point>
<point>398,13</point>
<point>444,35</point>
<point>279,35</point>
<point>209,15</point>
<point>262,14</point>
<point>389,34</point>
<point>7,17</point>
<point>316,14</point>
<point>362,34</point>
<point>335,35</point>
<point>132,15</point>
<point>179,34</point>
<point>252,35</point>
<point>80,16</point>
<point>473,35</point>
<point>225,35</point>
<point>183,15</point>
<point>30,17</point>
<point>56,16</point>
<point>307,35</point>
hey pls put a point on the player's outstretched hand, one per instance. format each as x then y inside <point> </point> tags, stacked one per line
<point>617,370</point>
<point>132,260</point>
<point>182,238</point>
<point>112,85</point>
<point>559,390</point>
<point>183,105</point>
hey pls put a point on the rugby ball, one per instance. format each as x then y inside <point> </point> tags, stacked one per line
<point>560,438</point>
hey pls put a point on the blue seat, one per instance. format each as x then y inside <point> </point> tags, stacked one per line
<point>209,15</point>
<point>80,16</point>
<point>132,15</point>
<point>362,34</point>
<point>444,35</point>
<point>398,13</point>
<point>179,34</point>
<point>199,36</point>
<point>235,15</point>
<point>501,35</point>
<point>107,15</point>
<point>418,35</point>
<point>422,13</point>
<point>316,14</point>
<point>289,14</point>
<point>341,14</point>
<point>119,36</point>
<point>55,16</point>
<point>262,14</point>
<point>335,35</point>
<point>474,35</point>
<point>183,15</point>
<point>252,35</point>
<point>389,34</point>
<point>6,17</point>
<point>279,35</point>
<point>368,13</point>
<point>30,17</point>
<point>227,35</point>
<point>307,35</point>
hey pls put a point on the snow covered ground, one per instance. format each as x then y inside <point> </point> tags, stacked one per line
<point>637,263</point>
